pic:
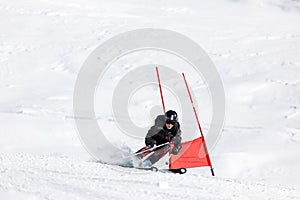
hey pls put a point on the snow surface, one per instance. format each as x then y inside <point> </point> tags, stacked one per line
<point>255,46</point>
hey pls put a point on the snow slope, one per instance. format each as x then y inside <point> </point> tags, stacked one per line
<point>62,177</point>
<point>255,46</point>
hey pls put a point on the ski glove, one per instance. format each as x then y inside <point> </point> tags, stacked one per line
<point>149,146</point>
<point>176,149</point>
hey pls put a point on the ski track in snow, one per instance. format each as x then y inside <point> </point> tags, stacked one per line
<point>62,177</point>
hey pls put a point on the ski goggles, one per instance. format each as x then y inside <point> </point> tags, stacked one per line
<point>170,122</point>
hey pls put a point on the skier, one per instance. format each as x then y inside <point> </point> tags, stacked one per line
<point>165,132</point>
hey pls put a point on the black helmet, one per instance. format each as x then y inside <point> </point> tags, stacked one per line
<point>171,115</point>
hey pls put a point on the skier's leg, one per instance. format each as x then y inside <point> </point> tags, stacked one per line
<point>142,155</point>
<point>158,154</point>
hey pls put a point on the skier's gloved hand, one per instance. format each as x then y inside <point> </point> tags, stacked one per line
<point>169,137</point>
<point>149,146</point>
<point>175,151</point>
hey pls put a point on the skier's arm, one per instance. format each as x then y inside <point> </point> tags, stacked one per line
<point>177,142</point>
<point>150,137</point>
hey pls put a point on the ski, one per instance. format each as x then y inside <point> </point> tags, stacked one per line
<point>154,169</point>
<point>178,171</point>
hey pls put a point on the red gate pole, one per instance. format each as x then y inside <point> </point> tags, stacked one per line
<point>161,95</point>
<point>204,144</point>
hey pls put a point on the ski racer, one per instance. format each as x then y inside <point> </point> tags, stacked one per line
<point>166,131</point>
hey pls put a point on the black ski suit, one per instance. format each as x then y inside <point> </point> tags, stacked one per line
<point>159,134</point>
<point>164,135</point>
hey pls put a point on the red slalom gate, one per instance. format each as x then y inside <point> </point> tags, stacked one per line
<point>161,95</point>
<point>193,153</point>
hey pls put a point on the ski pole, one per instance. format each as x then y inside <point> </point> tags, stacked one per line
<point>151,149</point>
<point>161,95</point>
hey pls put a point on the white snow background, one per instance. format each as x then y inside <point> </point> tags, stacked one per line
<point>255,46</point>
